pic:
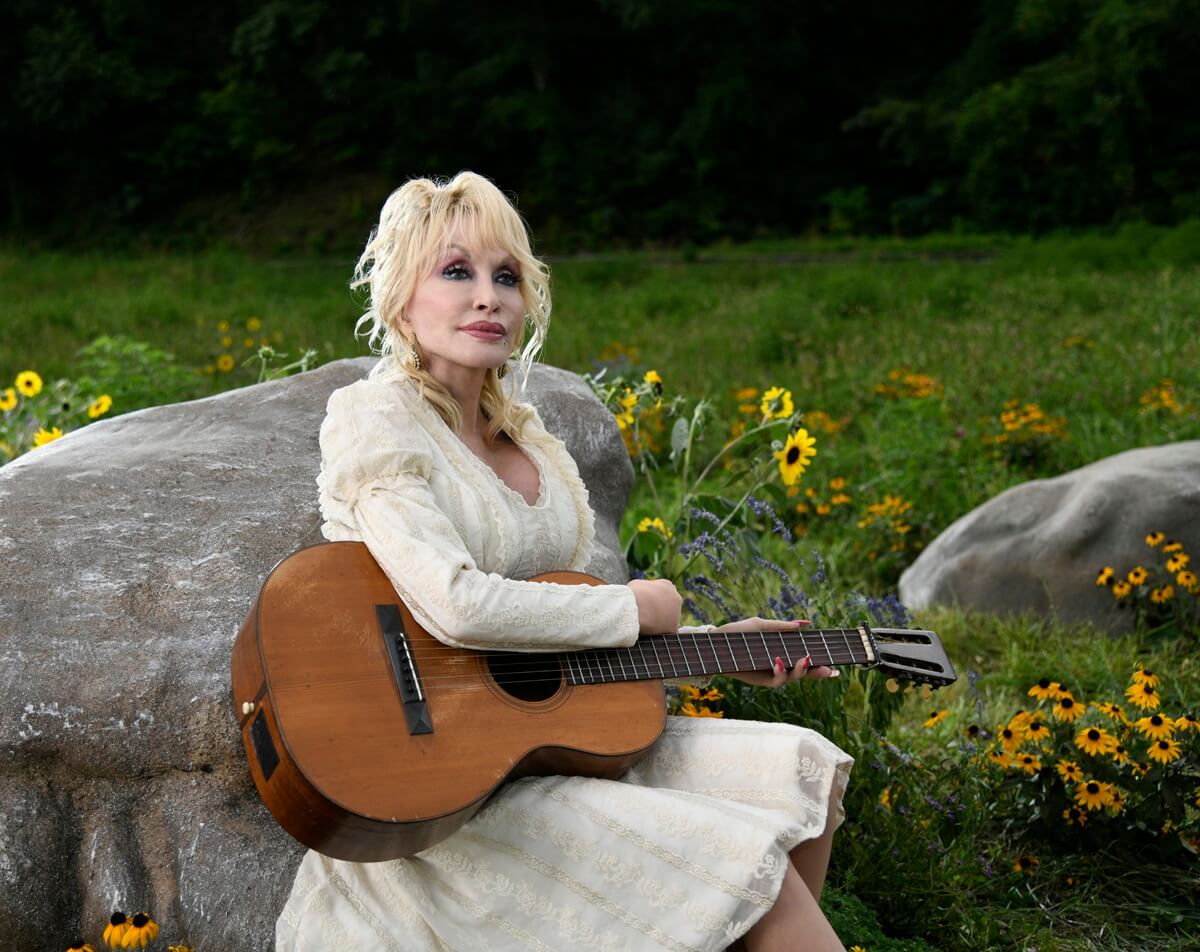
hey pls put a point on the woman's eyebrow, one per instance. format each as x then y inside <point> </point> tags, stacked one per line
<point>507,259</point>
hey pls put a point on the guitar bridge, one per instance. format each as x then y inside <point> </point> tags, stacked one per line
<point>404,668</point>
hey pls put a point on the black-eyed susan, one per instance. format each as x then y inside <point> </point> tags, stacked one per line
<point>1188,581</point>
<point>1164,593</point>
<point>222,326</point>
<point>1165,750</point>
<point>1188,722</point>
<point>44,436</point>
<point>1030,763</point>
<point>1173,546</point>
<point>936,717</point>
<point>253,324</point>
<point>1138,768</point>
<point>973,732</point>
<point>1156,726</point>
<point>777,404</point>
<point>29,382</point>
<point>655,525</point>
<point>655,380</point>
<point>1074,816</point>
<point>1116,800</point>
<point>1045,688</point>
<point>1137,575</point>
<point>795,455</point>
<point>1155,539</point>
<point>1144,696</point>
<point>1025,864</point>
<point>691,710</point>
<point>1095,740</point>
<point>1000,758</point>
<point>1119,755</point>
<point>8,399</point>
<point>1066,708</point>
<point>1010,738</point>
<point>1178,562</point>
<point>99,406</point>
<point>114,932</point>
<point>1019,720</point>
<point>1036,731</point>
<point>1144,676</point>
<point>79,946</point>
<point>1121,590</point>
<point>1070,771</point>
<point>225,363</point>
<point>1105,576</point>
<point>142,929</point>
<point>746,393</point>
<point>1092,794</point>
<point>1109,709</point>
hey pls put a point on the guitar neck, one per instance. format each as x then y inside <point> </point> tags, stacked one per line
<point>694,654</point>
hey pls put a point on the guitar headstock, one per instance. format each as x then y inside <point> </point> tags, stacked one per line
<point>911,653</point>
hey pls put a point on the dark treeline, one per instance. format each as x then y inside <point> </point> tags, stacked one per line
<point>612,120</point>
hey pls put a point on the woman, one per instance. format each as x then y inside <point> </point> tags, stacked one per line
<point>723,830</point>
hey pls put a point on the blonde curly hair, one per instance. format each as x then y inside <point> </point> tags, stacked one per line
<point>415,228</point>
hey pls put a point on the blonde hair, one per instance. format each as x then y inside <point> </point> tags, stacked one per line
<point>415,227</point>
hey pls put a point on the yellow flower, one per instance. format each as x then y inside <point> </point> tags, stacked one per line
<point>1119,755</point>
<point>1187,581</point>
<point>1095,740</point>
<point>1093,794</point>
<point>1110,710</point>
<point>886,797</point>
<point>1155,539</point>
<point>746,393</point>
<point>1155,726</point>
<point>692,711</point>
<point>1121,589</point>
<point>1177,563</point>
<point>253,324</point>
<point>29,383</point>
<point>1000,758</point>
<point>1074,816</point>
<point>248,343</point>
<point>1025,864</point>
<point>795,455</point>
<point>114,932</point>
<point>1036,731</point>
<point>1067,708</point>
<point>8,399</point>
<point>838,482</point>
<point>227,341</point>
<point>142,929</point>
<point>1029,763</point>
<point>1165,750</point>
<point>768,406</point>
<point>1173,546</point>
<point>1045,688</point>
<point>80,946</point>
<point>857,948</point>
<point>44,436</point>
<point>99,406</point>
<point>1010,737</point>
<point>222,326</point>
<point>936,717</point>
<point>629,400</point>
<point>1143,695</point>
<point>1070,771</point>
<point>225,363</point>
<point>1187,722</point>
<point>1105,576</point>
<point>656,524</point>
<point>1137,575</point>
<point>1164,594</point>
<point>652,377</point>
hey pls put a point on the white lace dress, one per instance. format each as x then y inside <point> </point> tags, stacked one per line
<point>686,851</point>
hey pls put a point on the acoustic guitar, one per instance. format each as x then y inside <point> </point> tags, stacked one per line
<point>369,739</point>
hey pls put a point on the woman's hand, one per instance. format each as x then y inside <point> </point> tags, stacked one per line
<point>659,605</point>
<point>780,675</point>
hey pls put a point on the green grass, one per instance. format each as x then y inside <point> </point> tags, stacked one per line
<point>988,328</point>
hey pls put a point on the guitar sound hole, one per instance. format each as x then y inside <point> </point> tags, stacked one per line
<point>528,677</point>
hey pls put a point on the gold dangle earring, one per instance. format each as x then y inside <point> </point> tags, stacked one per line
<point>502,371</point>
<point>416,358</point>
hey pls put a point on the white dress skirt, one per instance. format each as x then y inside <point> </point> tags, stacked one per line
<point>685,851</point>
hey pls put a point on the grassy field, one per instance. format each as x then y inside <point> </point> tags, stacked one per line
<point>914,351</point>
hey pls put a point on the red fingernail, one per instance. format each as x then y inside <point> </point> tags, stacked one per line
<point>807,662</point>
<point>779,664</point>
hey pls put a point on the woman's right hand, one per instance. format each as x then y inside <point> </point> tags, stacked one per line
<point>659,605</point>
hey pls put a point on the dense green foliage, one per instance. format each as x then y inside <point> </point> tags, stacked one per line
<point>613,121</point>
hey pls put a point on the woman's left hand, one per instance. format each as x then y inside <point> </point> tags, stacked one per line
<point>780,676</point>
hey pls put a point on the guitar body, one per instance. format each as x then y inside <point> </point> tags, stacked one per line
<point>357,763</point>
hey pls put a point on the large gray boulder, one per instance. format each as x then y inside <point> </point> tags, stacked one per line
<point>1038,547</point>
<point>132,551</point>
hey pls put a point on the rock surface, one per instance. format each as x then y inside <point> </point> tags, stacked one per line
<point>132,550</point>
<point>1038,547</point>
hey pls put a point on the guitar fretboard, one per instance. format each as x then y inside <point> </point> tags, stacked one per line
<point>692,654</point>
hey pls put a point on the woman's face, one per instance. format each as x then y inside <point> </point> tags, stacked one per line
<point>468,312</point>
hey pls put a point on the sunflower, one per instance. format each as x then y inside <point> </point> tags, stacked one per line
<point>768,406</point>
<point>1029,763</point>
<point>29,383</point>
<point>1121,589</point>
<point>114,932</point>
<point>936,717</point>
<point>1165,750</point>
<point>1105,575</point>
<point>99,406</point>
<point>1025,864</point>
<point>1074,816</point>
<point>1095,740</point>
<point>1067,708</point>
<point>1045,688</point>
<point>1177,563</point>
<point>1155,726</point>
<point>1143,695</point>
<point>1092,794</point>
<point>795,455</point>
<point>1070,771</point>
<point>1155,539</point>
<point>8,399</point>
